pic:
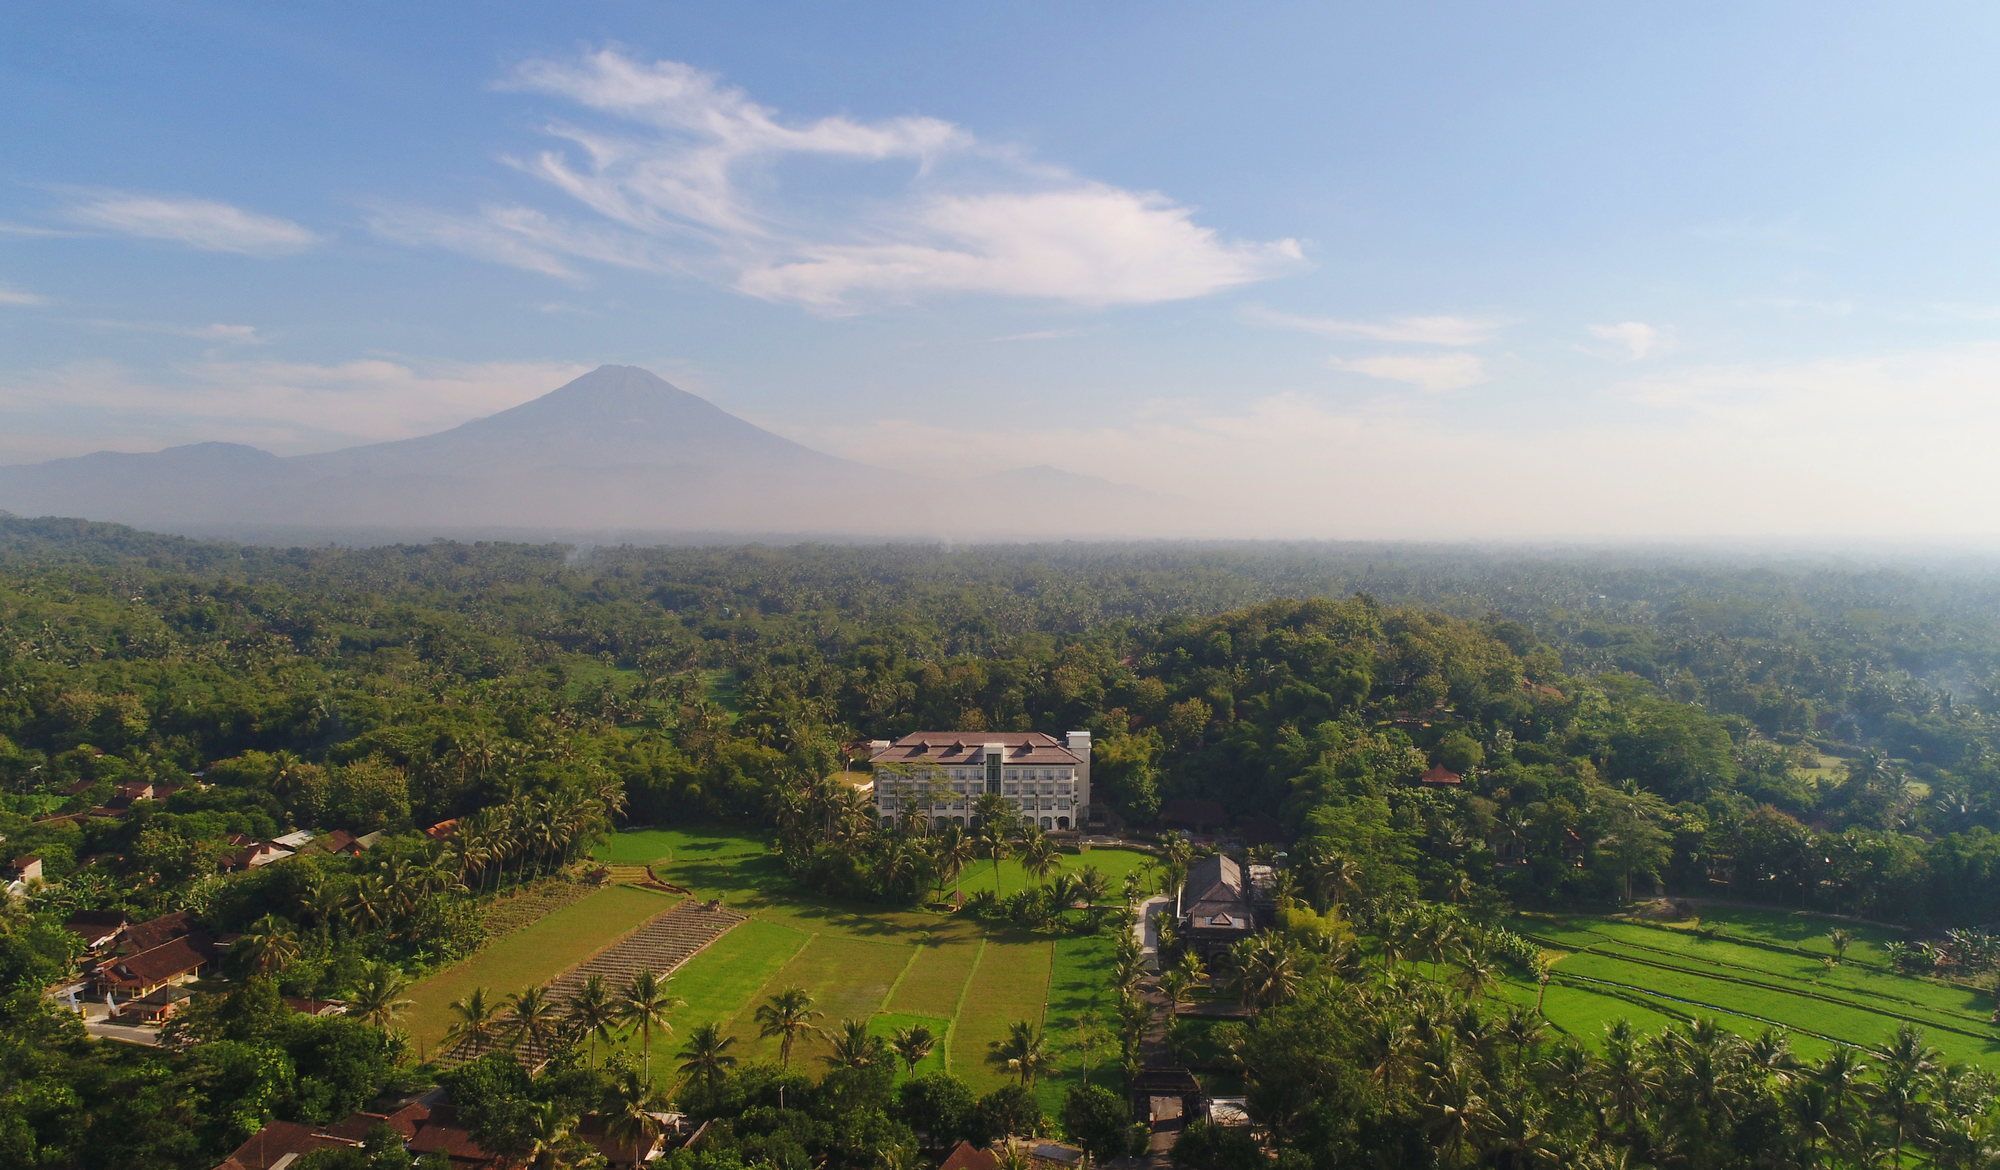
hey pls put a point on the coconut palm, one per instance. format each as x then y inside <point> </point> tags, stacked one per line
<point>643,1006</point>
<point>475,1023</point>
<point>632,1115</point>
<point>1024,1053</point>
<point>1902,1096</point>
<point>912,1045</point>
<point>853,1047</point>
<point>592,1012</point>
<point>550,1138</point>
<point>1039,855</point>
<point>706,1056</point>
<point>532,1020</point>
<point>377,997</point>
<point>269,946</point>
<point>787,1016</point>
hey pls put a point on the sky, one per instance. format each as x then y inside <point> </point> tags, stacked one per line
<point>1445,271</point>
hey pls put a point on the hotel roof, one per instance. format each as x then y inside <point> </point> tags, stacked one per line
<point>964,747</point>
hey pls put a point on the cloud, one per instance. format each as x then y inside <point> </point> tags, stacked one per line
<point>15,298</point>
<point>1430,330</point>
<point>1635,340</point>
<point>1435,373</point>
<point>204,224</point>
<point>679,171</point>
<point>218,332</point>
<point>1094,245</point>
<point>286,407</point>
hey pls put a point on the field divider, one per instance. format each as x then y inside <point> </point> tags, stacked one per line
<point>958,1009</point>
<point>889,996</point>
<point>1640,994</point>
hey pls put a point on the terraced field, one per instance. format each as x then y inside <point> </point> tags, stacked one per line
<point>1750,970</point>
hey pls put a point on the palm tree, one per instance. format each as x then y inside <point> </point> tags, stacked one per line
<point>1090,885</point>
<point>592,1012</point>
<point>1267,972</point>
<point>552,1143</point>
<point>706,1056</point>
<point>632,1115</point>
<point>1023,1053</point>
<point>1840,938</point>
<point>644,1005</point>
<point>1334,877</point>
<point>475,1025</point>
<point>531,1020</point>
<point>269,946</point>
<point>1038,854</point>
<point>1909,1070</point>
<point>853,1047</point>
<point>1174,985</point>
<point>955,851</point>
<point>377,998</point>
<point>787,1015</point>
<point>912,1045</point>
<point>994,842</point>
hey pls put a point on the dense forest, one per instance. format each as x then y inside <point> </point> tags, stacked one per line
<point>1804,732</point>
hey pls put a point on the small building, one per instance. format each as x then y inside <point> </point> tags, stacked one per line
<point>176,961</point>
<point>20,872</point>
<point>1440,776</point>
<point>253,854</point>
<point>1215,905</point>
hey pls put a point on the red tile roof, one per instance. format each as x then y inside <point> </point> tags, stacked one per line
<point>144,936</point>
<point>276,1142</point>
<point>966,1156</point>
<point>170,960</point>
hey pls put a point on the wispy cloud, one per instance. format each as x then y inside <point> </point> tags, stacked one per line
<point>1435,373</point>
<point>1419,330</point>
<point>218,332</point>
<point>1635,340</point>
<point>205,224</point>
<point>679,172</point>
<point>20,299</point>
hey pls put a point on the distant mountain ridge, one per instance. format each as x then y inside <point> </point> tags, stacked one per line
<point>618,448</point>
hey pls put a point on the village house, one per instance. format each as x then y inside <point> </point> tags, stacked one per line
<point>1041,1155</point>
<point>20,872</point>
<point>427,1125</point>
<point>164,951</point>
<point>1215,905</point>
<point>940,776</point>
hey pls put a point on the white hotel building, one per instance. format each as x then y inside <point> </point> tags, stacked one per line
<point>942,774</point>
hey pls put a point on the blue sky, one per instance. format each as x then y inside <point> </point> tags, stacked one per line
<point>1458,270</point>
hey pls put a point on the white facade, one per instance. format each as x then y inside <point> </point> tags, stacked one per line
<point>941,776</point>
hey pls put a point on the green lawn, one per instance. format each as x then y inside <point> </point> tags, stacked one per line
<point>536,953</point>
<point>966,982</point>
<point>1749,970</point>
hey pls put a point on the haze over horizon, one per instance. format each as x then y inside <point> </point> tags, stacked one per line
<point>1378,272</point>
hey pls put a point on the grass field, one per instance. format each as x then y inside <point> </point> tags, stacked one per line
<point>965,981</point>
<point>1748,970</point>
<point>535,953</point>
